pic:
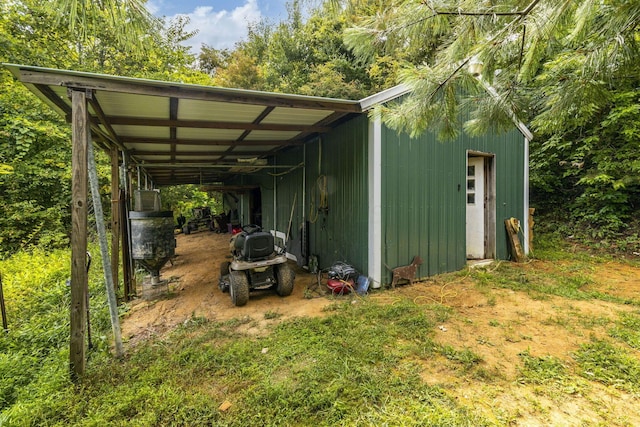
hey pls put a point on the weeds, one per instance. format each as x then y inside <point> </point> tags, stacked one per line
<point>360,364</point>
<point>611,365</point>
<point>627,329</point>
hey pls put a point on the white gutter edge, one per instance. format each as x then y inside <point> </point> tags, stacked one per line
<point>384,96</point>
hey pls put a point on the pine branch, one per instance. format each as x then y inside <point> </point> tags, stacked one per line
<point>520,13</point>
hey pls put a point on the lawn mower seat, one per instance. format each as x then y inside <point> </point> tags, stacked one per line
<point>254,246</point>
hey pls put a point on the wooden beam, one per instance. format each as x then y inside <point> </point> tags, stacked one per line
<point>246,133</point>
<point>192,153</point>
<point>173,131</point>
<point>515,248</point>
<point>115,218</point>
<point>128,274</point>
<point>167,89</point>
<point>79,280</point>
<point>168,141</point>
<point>55,99</point>
<point>223,188</point>
<point>151,164</point>
<point>205,124</point>
<point>103,120</point>
<point>332,120</point>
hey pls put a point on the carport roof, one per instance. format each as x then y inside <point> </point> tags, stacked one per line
<point>184,133</point>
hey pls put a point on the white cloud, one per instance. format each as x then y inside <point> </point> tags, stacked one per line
<point>220,29</point>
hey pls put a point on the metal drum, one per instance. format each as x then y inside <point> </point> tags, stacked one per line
<point>152,239</point>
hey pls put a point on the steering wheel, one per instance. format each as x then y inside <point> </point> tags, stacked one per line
<point>251,228</point>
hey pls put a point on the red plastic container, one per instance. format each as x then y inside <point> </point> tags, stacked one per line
<point>340,287</point>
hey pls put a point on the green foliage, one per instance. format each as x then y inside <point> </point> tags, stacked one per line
<point>568,69</point>
<point>35,149</point>
<point>611,365</point>
<point>35,192</point>
<point>181,199</point>
<point>130,19</point>
<point>34,353</point>
<point>299,56</point>
<point>596,166</point>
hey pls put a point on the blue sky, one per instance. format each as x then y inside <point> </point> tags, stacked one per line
<point>220,23</point>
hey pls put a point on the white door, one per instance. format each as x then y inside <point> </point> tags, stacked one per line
<point>475,208</point>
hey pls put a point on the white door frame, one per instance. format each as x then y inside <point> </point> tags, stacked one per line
<point>489,200</point>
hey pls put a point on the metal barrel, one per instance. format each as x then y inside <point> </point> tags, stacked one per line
<point>152,240</point>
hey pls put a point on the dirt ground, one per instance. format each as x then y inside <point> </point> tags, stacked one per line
<point>497,324</point>
<point>193,291</point>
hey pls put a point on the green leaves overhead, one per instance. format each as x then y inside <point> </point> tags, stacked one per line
<point>130,19</point>
<point>578,48</point>
<point>566,68</point>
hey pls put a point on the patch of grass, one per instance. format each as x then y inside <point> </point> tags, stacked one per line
<point>440,313</point>
<point>549,374</point>
<point>541,370</point>
<point>539,284</point>
<point>360,364</point>
<point>357,365</point>
<point>272,314</point>
<point>465,357</point>
<point>611,365</point>
<point>627,329</point>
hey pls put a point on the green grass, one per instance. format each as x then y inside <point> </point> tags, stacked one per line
<point>567,283</point>
<point>627,329</point>
<point>609,364</point>
<point>360,364</point>
<point>356,366</point>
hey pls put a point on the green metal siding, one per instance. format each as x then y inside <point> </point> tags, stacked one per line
<point>424,196</point>
<point>341,234</point>
<point>340,155</point>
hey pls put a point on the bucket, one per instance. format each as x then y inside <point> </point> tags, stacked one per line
<point>362,285</point>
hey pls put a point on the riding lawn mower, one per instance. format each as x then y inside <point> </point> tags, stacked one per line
<point>256,265</point>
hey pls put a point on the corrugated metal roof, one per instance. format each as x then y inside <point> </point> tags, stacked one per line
<point>170,129</point>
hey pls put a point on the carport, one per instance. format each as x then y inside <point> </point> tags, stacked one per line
<point>166,133</point>
<point>335,184</point>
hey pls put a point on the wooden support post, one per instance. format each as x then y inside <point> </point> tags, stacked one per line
<point>79,279</point>
<point>5,325</point>
<point>531,223</point>
<point>513,226</point>
<point>127,270</point>
<point>115,218</point>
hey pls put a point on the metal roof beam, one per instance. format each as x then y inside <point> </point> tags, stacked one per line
<point>198,164</point>
<point>191,153</point>
<point>204,124</point>
<point>167,89</point>
<point>142,140</point>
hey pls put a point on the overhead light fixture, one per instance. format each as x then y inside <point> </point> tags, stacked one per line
<point>252,161</point>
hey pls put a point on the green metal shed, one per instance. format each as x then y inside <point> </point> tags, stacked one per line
<point>374,198</point>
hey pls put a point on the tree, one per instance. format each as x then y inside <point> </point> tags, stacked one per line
<point>297,56</point>
<point>211,59</point>
<point>581,47</point>
<point>35,148</point>
<point>567,68</point>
